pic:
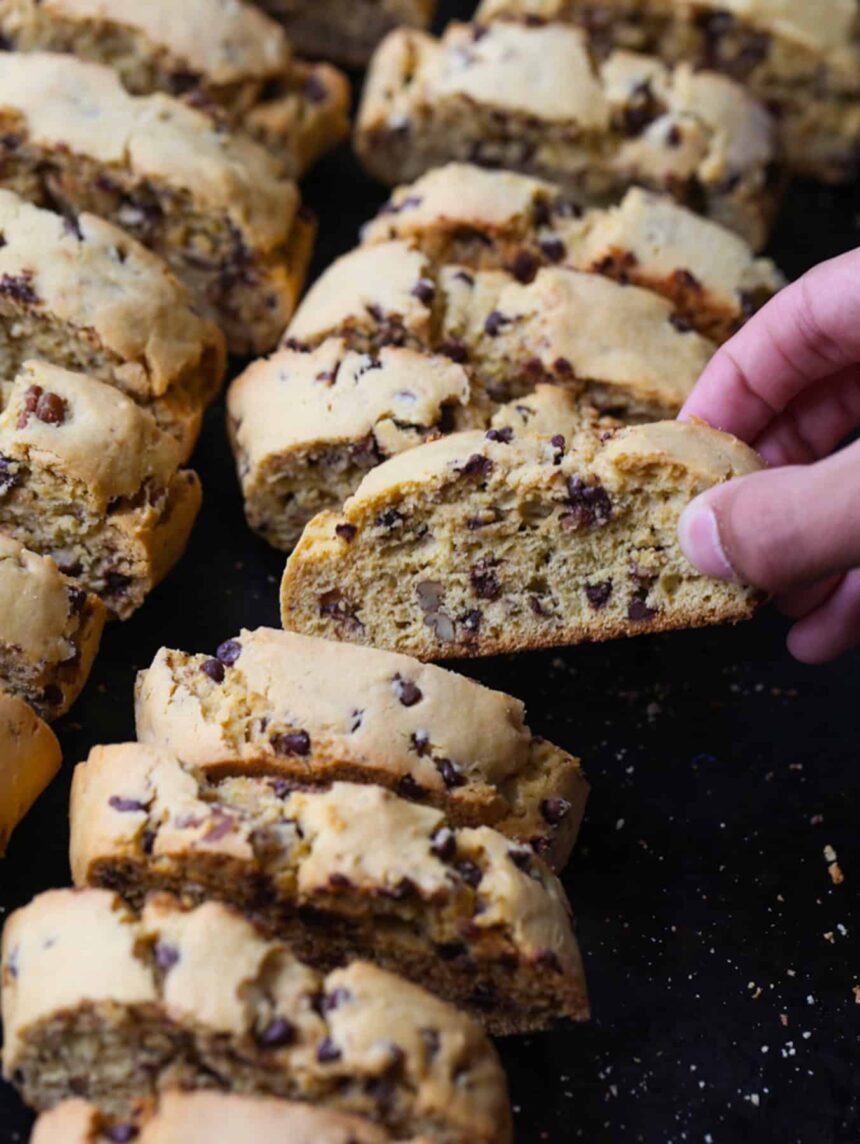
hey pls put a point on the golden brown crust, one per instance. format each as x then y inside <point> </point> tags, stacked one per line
<point>30,756</point>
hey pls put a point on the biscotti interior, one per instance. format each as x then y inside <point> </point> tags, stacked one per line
<point>471,546</point>
<point>340,873</point>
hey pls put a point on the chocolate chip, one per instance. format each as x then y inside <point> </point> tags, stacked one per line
<point>121,1133</point>
<point>674,138</point>
<point>682,325</point>
<point>77,598</point>
<point>503,436</point>
<point>335,999</point>
<point>116,584</point>
<point>476,466</point>
<point>524,267</point>
<point>444,844</point>
<point>419,742</point>
<point>494,323</point>
<point>563,367</point>
<point>598,594</point>
<point>126,805</point>
<point>424,291</point>
<point>328,1052</point>
<point>484,581</point>
<point>472,620</point>
<point>214,668</point>
<point>291,743</point>
<point>455,349</point>
<point>356,720</point>
<point>8,479</point>
<point>52,696</point>
<point>450,950</point>
<point>452,777</point>
<point>147,841</point>
<point>389,519</point>
<point>590,506</point>
<point>521,858</point>
<point>470,872</point>
<point>315,88</point>
<point>684,280</point>
<point>409,788</point>
<point>339,881</point>
<point>638,610</point>
<point>19,288</point>
<point>166,956</point>
<point>407,692</point>
<point>553,249</point>
<point>278,1033</point>
<point>555,810</point>
<point>346,532</point>
<point>228,652</point>
<point>465,277</point>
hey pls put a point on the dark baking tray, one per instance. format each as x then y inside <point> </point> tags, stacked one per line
<point>721,769</point>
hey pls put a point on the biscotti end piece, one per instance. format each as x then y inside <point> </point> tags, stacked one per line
<point>68,439</point>
<point>306,427</point>
<point>214,204</point>
<point>30,756</point>
<point>491,220</point>
<point>201,1117</point>
<point>200,992</point>
<point>312,712</point>
<point>340,872</point>
<point>49,633</point>
<point>502,545</point>
<point>536,99</point>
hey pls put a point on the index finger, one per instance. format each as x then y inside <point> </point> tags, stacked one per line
<point>809,331</point>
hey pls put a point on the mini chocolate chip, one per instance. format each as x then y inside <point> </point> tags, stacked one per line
<point>315,88</point>
<point>389,519</point>
<point>335,999</point>
<point>291,743</point>
<point>444,844</point>
<point>470,872</point>
<point>346,531</point>
<point>598,594</point>
<point>555,810</point>
<point>19,287</point>
<point>524,267</point>
<point>52,696</point>
<point>590,505</point>
<point>682,325</point>
<point>356,721</point>
<point>166,956</point>
<point>328,1052</point>
<point>424,291</point>
<point>409,788</point>
<point>638,610</point>
<point>147,841</point>
<point>674,138</point>
<point>455,349</point>
<point>281,787</point>
<point>339,881</point>
<point>494,323</point>
<point>452,776</point>
<point>228,652</point>
<point>278,1033</point>
<point>484,581</point>
<point>51,409</point>
<point>407,692</point>
<point>472,620</point>
<point>8,479</point>
<point>419,742</point>
<point>553,249</point>
<point>476,466</point>
<point>121,1133</point>
<point>521,858</point>
<point>126,805</point>
<point>432,1042</point>
<point>686,281</point>
<point>563,367</point>
<point>214,668</point>
<point>503,436</point>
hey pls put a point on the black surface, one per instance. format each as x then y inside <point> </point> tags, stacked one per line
<point>721,769</point>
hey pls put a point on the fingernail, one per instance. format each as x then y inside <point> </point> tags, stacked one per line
<point>699,535</point>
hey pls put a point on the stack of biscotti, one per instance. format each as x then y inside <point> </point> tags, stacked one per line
<point>29,758</point>
<point>345,30</point>
<point>224,57</point>
<point>539,99</point>
<point>484,543</point>
<point>801,59</point>
<point>472,291</point>
<point>205,1116</point>
<point>116,1008</point>
<point>214,204</point>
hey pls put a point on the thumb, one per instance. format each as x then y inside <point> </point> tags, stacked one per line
<point>781,528</point>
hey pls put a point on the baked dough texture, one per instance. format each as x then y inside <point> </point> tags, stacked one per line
<point>30,756</point>
<point>475,545</point>
<point>115,1008</point>
<point>224,57</point>
<point>214,204</point>
<point>202,1117</point>
<point>88,478</point>
<point>801,59</point>
<point>352,871</point>
<point>538,99</point>
<point>313,712</point>
<point>50,630</point>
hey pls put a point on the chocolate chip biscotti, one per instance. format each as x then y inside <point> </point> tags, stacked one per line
<point>801,58</point>
<point>82,294</point>
<point>50,629</point>
<point>204,1117</point>
<point>114,1008</point>
<point>491,220</point>
<point>222,56</point>
<point>213,204</point>
<point>345,30</point>
<point>88,478</point>
<point>352,871</point>
<point>312,712</point>
<point>29,758</point>
<point>537,100</point>
<point>476,544</point>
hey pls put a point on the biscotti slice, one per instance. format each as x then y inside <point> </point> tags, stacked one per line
<point>87,477</point>
<point>492,220</point>
<point>306,427</point>
<point>213,204</point>
<point>535,99</point>
<point>801,59</point>
<point>623,348</point>
<point>223,56</point>
<point>84,295</point>
<point>312,712</point>
<point>353,871</point>
<point>504,544</point>
<point>49,630</point>
<point>203,1117</point>
<point>30,756</point>
<point>114,1008</point>
<point>345,30</point>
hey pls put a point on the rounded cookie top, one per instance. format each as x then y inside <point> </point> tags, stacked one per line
<point>65,104</point>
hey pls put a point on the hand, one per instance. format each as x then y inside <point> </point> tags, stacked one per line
<point>789,385</point>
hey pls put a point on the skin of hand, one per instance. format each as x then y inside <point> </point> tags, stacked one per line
<point>789,385</point>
